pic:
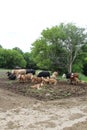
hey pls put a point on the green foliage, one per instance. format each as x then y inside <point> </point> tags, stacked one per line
<point>85,69</point>
<point>75,39</point>
<point>18,59</point>
<point>78,67</point>
<point>59,47</point>
<point>82,77</point>
<point>83,59</point>
<point>40,54</point>
<point>2,58</point>
<point>11,58</point>
<point>29,60</point>
<point>18,49</point>
<point>1,46</point>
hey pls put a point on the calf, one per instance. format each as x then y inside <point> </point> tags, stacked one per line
<point>36,79</point>
<point>24,78</point>
<point>21,78</point>
<point>37,86</point>
<point>54,75</point>
<point>49,81</point>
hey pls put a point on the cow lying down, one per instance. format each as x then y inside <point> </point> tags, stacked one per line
<point>24,77</point>
<point>11,76</point>
<point>37,86</point>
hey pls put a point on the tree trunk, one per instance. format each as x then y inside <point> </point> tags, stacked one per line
<point>70,62</point>
<point>70,68</point>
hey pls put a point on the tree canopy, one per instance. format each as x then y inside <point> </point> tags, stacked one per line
<point>11,58</point>
<point>59,46</point>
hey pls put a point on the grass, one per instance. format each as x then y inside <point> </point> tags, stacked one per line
<point>4,70</point>
<point>82,77</point>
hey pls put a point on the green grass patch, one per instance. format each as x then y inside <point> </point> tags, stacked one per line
<point>82,77</point>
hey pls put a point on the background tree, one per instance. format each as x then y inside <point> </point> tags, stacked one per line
<point>18,49</point>
<point>11,59</point>
<point>29,61</point>
<point>2,58</point>
<point>80,61</point>
<point>16,59</point>
<point>59,47</point>
<point>74,40</point>
<point>84,59</point>
<point>1,46</point>
<point>40,54</point>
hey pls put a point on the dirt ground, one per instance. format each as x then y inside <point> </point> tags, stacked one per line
<point>61,107</point>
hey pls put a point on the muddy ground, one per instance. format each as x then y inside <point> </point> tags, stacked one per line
<point>60,107</point>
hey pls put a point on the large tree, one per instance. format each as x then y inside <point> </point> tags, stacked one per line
<point>59,46</point>
<point>75,39</point>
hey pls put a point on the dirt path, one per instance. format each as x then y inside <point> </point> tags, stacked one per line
<point>23,113</point>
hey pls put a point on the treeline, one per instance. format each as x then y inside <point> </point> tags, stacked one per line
<point>62,48</point>
<point>11,58</point>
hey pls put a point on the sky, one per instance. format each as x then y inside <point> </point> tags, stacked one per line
<point>22,21</point>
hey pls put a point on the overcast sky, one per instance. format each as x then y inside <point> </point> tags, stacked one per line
<point>22,21</point>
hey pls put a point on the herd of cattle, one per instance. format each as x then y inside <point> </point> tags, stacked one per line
<point>29,75</point>
<point>43,77</point>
